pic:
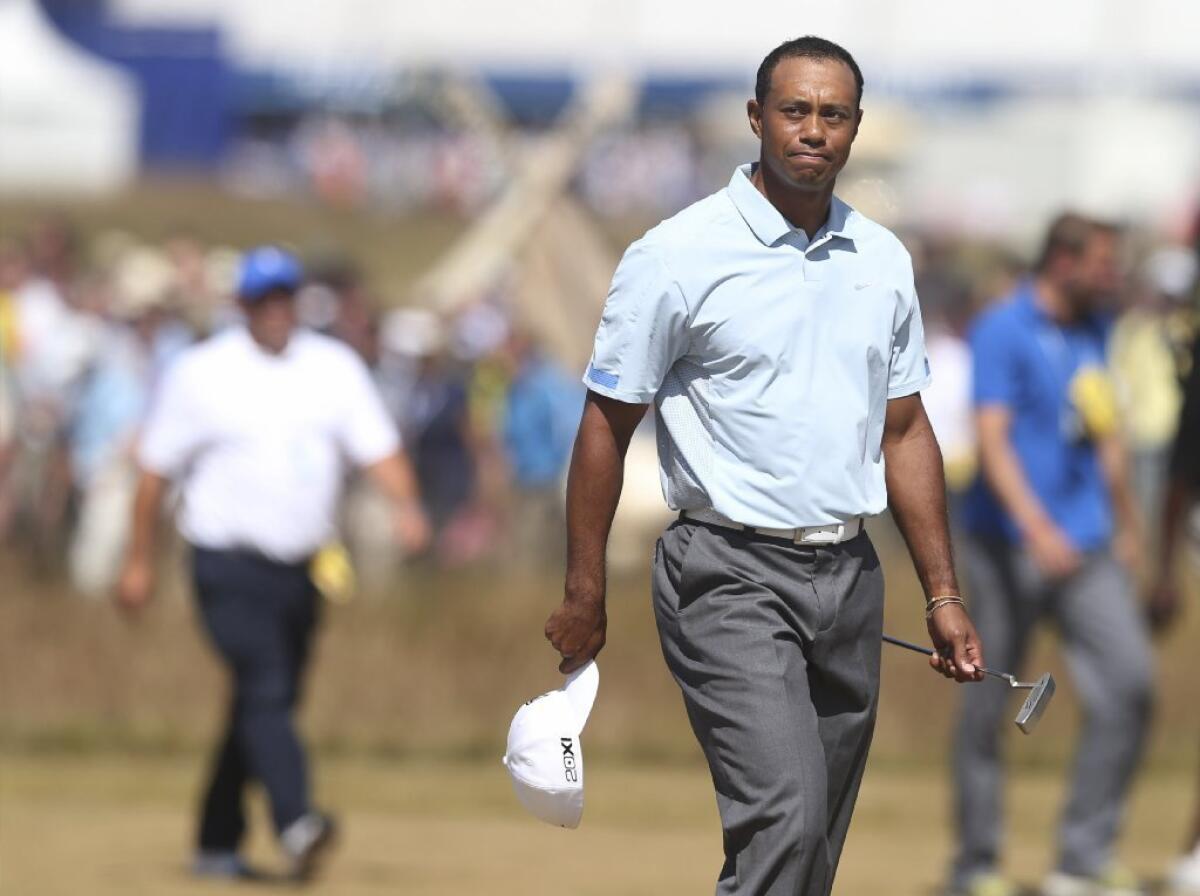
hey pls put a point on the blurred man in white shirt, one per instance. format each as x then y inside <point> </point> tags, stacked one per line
<point>256,426</point>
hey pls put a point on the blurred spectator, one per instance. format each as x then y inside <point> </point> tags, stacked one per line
<point>353,319</point>
<point>256,424</point>
<point>948,403</point>
<point>12,273</point>
<point>447,381</point>
<point>480,329</point>
<point>334,157</point>
<point>82,352</point>
<point>1165,604</point>
<point>113,399</point>
<point>408,337</point>
<point>945,305</point>
<point>201,282</point>
<point>652,170</point>
<point>541,414</point>
<point>1146,345</point>
<point>57,338</point>
<point>1046,521</point>
<point>59,332</point>
<point>405,339</point>
<point>428,395</point>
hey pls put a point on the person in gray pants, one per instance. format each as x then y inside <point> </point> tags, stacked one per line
<point>1046,522</point>
<point>776,331</point>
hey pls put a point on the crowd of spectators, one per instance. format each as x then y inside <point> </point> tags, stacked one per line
<point>87,328</point>
<point>352,163</point>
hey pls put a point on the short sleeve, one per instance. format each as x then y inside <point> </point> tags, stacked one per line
<point>643,330</point>
<point>366,432</point>
<point>909,370</point>
<point>173,431</point>
<point>993,362</point>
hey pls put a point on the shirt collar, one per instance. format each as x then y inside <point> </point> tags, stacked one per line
<point>766,221</point>
<point>252,347</point>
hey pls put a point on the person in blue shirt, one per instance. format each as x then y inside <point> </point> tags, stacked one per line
<point>540,412</point>
<point>1052,528</point>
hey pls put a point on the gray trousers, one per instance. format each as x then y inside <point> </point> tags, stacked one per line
<point>776,649</point>
<point>1110,659</point>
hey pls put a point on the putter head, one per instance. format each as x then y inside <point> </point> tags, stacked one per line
<point>1035,704</point>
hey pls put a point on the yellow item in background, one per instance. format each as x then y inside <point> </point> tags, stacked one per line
<point>1144,368</point>
<point>1095,401</point>
<point>333,573</point>
<point>960,469</point>
<point>10,334</point>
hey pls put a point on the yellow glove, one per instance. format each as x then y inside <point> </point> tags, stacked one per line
<point>333,574</point>
<point>1095,401</point>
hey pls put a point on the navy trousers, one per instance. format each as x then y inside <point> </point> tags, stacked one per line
<point>260,616</point>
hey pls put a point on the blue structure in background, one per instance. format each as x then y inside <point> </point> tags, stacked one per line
<point>184,78</point>
<point>538,99</point>
<point>195,102</point>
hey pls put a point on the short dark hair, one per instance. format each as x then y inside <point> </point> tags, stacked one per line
<point>810,47</point>
<point>1069,234</point>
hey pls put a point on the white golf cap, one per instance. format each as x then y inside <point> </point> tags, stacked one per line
<point>544,757</point>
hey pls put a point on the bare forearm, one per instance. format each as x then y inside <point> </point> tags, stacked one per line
<point>593,491</point>
<point>1114,461</point>
<point>1002,471</point>
<point>916,488</point>
<point>394,477</point>
<point>147,504</point>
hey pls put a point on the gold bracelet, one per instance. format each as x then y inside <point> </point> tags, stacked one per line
<point>938,602</point>
<point>937,597</point>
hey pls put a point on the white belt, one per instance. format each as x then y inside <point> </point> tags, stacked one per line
<point>834,533</point>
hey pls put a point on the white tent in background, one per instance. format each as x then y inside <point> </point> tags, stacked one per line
<point>68,121</point>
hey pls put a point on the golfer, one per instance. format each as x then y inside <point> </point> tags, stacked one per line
<point>254,425</point>
<point>776,331</point>
<point>1047,523</point>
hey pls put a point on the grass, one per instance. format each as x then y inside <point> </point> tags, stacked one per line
<point>114,824</point>
<point>103,723</point>
<point>437,666</point>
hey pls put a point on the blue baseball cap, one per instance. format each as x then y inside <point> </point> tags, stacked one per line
<point>265,269</point>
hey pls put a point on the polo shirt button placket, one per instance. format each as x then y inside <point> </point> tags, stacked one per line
<point>802,258</point>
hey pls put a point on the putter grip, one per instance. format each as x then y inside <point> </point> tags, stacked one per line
<point>908,645</point>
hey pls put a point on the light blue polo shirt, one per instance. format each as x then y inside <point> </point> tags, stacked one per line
<point>769,358</point>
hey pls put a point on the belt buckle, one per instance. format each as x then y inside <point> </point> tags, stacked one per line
<point>835,532</point>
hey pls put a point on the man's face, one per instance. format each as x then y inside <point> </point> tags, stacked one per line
<point>271,319</point>
<point>808,121</point>
<point>1094,276</point>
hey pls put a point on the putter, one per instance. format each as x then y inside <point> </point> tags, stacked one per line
<point>1035,704</point>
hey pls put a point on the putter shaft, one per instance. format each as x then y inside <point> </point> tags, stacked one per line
<point>1012,681</point>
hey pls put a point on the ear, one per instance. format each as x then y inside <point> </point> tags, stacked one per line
<point>754,113</point>
<point>857,122</point>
